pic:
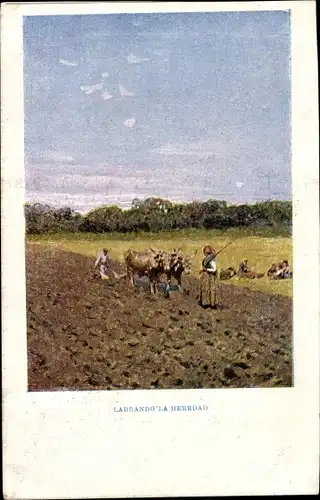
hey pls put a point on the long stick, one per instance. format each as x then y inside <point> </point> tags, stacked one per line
<point>230,243</point>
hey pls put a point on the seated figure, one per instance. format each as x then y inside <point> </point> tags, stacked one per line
<point>246,272</point>
<point>275,266</point>
<point>243,267</point>
<point>280,270</point>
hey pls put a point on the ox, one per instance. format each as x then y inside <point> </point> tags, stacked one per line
<point>179,263</point>
<point>151,263</point>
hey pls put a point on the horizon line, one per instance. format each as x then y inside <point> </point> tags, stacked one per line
<point>129,206</point>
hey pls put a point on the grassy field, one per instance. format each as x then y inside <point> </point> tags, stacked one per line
<point>260,247</point>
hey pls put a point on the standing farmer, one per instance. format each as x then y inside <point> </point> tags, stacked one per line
<point>103,263</point>
<point>208,279</point>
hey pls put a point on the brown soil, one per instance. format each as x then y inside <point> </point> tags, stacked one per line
<point>84,333</point>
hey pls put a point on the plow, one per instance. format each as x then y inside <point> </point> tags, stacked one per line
<point>142,283</point>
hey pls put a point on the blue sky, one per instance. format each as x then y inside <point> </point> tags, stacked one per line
<point>182,106</point>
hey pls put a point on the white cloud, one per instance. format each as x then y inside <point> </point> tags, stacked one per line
<point>201,149</point>
<point>81,190</point>
<point>132,59</point>
<point>52,156</point>
<point>64,62</point>
<point>106,95</point>
<point>62,158</point>
<point>124,92</point>
<point>162,52</point>
<point>130,122</point>
<point>223,142</point>
<point>90,89</point>
<point>79,202</point>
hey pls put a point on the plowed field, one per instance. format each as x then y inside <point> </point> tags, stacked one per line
<point>88,334</point>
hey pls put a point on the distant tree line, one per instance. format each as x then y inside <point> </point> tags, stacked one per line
<point>156,214</point>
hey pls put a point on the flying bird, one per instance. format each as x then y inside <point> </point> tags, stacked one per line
<point>64,62</point>
<point>162,52</point>
<point>132,59</point>
<point>130,122</point>
<point>105,74</point>
<point>124,92</point>
<point>106,95</point>
<point>90,89</point>
<point>239,184</point>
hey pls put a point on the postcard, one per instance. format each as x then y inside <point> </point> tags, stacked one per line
<point>160,258</point>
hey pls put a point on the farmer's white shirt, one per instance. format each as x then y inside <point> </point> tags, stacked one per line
<point>102,259</point>
<point>212,266</point>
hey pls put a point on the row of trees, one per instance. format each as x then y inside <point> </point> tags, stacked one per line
<point>156,214</point>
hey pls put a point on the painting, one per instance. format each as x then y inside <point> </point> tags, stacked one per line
<point>153,136</point>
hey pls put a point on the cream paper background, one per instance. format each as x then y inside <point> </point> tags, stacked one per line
<point>250,441</point>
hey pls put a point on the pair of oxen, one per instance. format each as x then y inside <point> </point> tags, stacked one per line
<point>155,263</point>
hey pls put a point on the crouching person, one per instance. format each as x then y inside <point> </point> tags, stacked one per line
<point>208,279</point>
<point>103,263</point>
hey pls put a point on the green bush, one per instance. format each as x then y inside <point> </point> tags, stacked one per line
<point>156,214</point>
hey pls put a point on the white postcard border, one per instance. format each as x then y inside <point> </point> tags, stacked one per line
<point>249,441</point>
